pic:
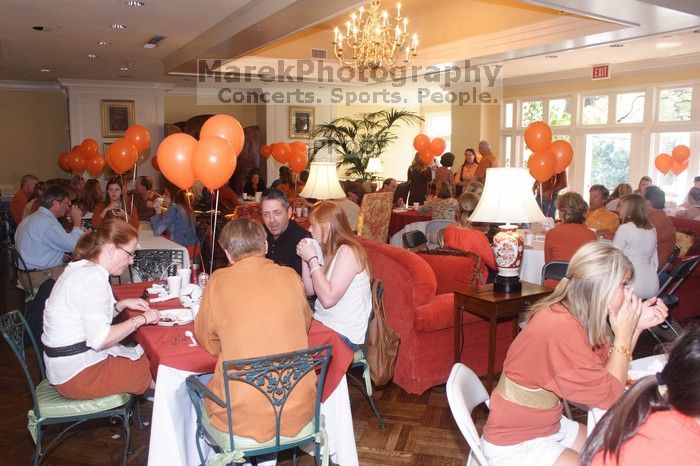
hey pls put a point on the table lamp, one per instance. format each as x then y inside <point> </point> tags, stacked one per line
<point>507,198</point>
<point>323,182</point>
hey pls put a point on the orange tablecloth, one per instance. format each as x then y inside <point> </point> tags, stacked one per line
<point>166,345</point>
<point>400,219</point>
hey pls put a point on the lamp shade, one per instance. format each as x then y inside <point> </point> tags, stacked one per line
<point>323,182</point>
<point>374,165</point>
<point>507,198</point>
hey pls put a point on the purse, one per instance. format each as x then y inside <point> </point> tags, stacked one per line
<point>382,340</point>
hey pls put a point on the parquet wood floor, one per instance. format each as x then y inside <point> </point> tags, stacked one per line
<point>419,428</point>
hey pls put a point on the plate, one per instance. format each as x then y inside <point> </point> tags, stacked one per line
<point>178,316</point>
<point>155,289</point>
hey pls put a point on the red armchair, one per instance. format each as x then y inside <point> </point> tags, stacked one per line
<point>418,302</point>
<point>689,292</point>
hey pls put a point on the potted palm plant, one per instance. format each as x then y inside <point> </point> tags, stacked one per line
<point>361,137</point>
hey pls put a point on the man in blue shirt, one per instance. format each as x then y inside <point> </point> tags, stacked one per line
<point>42,241</point>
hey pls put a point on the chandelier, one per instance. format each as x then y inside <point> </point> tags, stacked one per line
<point>371,41</point>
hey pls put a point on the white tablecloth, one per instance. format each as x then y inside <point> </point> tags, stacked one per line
<point>174,423</point>
<point>533,261</point>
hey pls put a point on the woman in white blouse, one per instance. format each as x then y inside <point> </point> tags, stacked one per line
<point>636,237</point>
<point>81,345</point>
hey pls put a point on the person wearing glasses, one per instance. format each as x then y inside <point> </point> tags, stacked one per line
<point>82,353</point>
<point>41,240</point>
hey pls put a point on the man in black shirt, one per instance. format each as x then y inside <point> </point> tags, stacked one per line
<point>282,235</point>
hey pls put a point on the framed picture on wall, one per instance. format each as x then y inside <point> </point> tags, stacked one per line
<point>108,173</point>
<point>117,116</point>
<point>301,122</point>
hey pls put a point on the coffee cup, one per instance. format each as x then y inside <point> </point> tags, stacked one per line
<point>185,275</point>
<point>258,196</point>
<point>529,237</point>
<point>174,285</point>
<point>299,211</point>
<point>245,196</point>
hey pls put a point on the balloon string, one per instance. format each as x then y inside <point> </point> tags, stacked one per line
<point>131,207</point>
<point>213,232</point>
<point>121,182</point>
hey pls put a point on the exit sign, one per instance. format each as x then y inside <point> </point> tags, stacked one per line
<point>601,72</point>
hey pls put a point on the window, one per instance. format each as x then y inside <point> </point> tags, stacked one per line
<point>508,115</point>
<point>595,110</point>
<point>531,111</point>
<point>629,107</point>
<point>675,187</point>
<point>607,159</point>
<point>562,137</point>
<point>674,104</point>
<point>507,149</point>
<point>439,125</point>
<point>560,112</point>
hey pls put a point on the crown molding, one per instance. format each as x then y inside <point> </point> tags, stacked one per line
<point>101,86</point>
<point>36,86</point>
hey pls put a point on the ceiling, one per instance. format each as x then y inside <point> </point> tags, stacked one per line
<point>532,37</point>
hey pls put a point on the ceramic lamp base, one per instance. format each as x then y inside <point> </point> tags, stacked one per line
<point>507,284</point>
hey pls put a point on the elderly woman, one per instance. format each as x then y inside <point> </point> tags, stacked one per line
<point>444,171</point>
<point>81,344</point>
<point>636,237</point>
<point>115,206</point>
<point>562,241</point>
<point>442,205</point>
<point>564,352</point>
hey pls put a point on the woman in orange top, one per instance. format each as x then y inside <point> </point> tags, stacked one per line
<point>467,171</point>
<point>564,352</point>
<point>463,237</point>
<point>114,206</point>
<point>658,420</point>
<point>562,241</point>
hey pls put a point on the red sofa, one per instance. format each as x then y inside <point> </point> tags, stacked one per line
<point>418,302</point>
<point>689,292</point>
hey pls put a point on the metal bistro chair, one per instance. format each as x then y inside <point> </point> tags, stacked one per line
<point>153,264</point>
<point>360,356</point>
<point>49,407</point>
<point>275,377</point>
<point>464,392</point>
<point>22,270</point>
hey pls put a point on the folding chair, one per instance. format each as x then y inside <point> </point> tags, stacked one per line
<point>432,228</point>
<point>555,270</point>
<point>414,240</point>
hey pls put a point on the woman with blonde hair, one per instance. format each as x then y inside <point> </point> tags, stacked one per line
<point>464,237</point>
<point>337,272</point>
<point>81,344</point>
<point>636,237</point>
<point>621,190</point>
<point>564,352</point>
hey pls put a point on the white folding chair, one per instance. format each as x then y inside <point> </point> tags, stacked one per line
<point>431,231</point>
<point>464,392</point>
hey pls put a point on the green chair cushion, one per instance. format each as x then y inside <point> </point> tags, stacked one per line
<point>221,437</point>
<point>53,404</point>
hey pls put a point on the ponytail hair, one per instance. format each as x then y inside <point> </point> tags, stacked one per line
<point>677,386</point>
<point>111,231</point>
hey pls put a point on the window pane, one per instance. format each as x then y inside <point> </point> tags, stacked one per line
<point>531,111</point>
<point>595,110</point>
<point>508,115</point>
<point>507,151</point>
<point>560,112</point>
<point>563,137</point>
<point>629,107</point>
<point>674,104</point>
<point>439,124</point>
<point>607,159</point>
<point>675,187</point>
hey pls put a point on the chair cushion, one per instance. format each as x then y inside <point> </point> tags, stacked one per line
<point>221,437</point>
<point>53,404</point>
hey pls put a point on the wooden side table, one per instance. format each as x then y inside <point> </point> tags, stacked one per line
<point>483,302</point>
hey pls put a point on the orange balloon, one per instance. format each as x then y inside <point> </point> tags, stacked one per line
<point>281,151</point>
<point>538,136</point>
<point>298,160</point>
<point>213,161</point>
<point>437,147</point>
<point>225,127</point>
<point>426,156</point>
<point>76,162</point>
<point>90,146</point>
<point>663,163</point>
<point>421,142</point>
<point>563,154</point>
<point>265,150</point>
<point>95,165</point>
<point>541,165</point>
<point>139,136</point>
<point>299,147</point>
<point>175,159</point>
<point>64,161</point>
<point>678,168</point>
<point>680,153</point>
<point>122,156</point>
<point>154,163</point>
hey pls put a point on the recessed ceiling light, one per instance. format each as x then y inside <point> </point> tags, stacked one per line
<point>123,68</point>
<point>118,26</point>
<point>617,46</point>
<point>46,69</point>
<point>134,3</point>
<point>38,28</point>
<point>551,56</point>
<point>104,43</point>
<point>91,55</point>
<point>668,45</point>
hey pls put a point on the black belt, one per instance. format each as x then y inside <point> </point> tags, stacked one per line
<point>70,350</point>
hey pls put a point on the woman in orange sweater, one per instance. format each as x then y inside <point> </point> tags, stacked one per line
<point>115,206</point>
<point>463,237</point>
